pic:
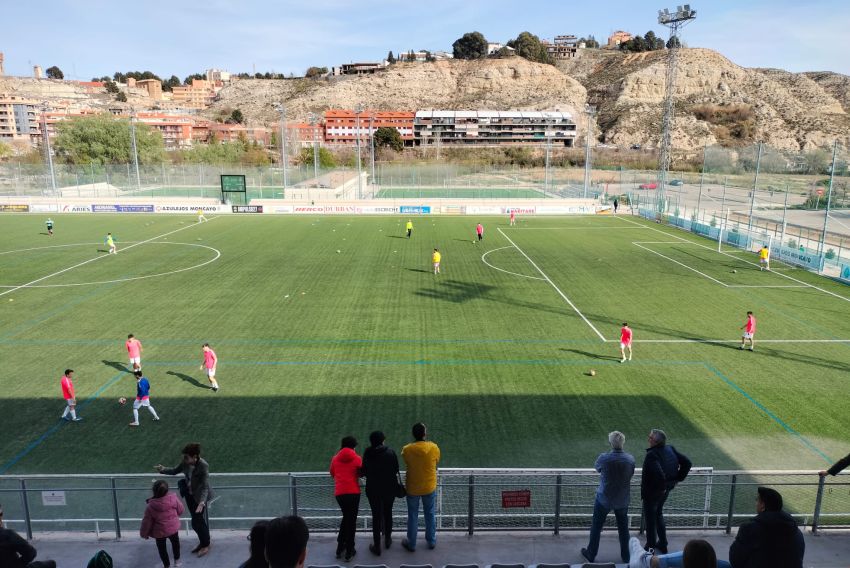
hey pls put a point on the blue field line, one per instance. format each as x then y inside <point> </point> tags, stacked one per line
<point>55,428</point>
<point>769,413</point>
<point>32,322</point>
<point>435,362</point>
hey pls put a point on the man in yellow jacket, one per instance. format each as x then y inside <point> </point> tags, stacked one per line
<point>421,458</point>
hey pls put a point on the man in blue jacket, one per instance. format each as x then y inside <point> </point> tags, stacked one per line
<point>771,539</point>
<point>663,468</point>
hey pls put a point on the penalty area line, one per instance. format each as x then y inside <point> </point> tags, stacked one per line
<point>558,290</point>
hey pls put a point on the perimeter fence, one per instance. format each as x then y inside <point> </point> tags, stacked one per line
<point>468,500</point>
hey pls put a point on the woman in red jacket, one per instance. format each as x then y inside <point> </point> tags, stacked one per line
<point>345,470</point>
<point>162,521</point>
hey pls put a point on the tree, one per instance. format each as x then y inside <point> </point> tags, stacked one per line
<point>236,117</point>
<point>111,87</point>
<point>170,83</point>
<point>650,39</point>
<point>390,58</point>
<point>313,72</point>
<point>326,158</point>
<point>388,136</point>
<point>591,42</point>
<point>5,150</point>
<point>54,73</point>
<point>199,76</point>
<point>528,45</point>
<point>471,46</point>
<point>635,45</point>
<point>429,57</point>
<point>121,97</point>
<point>673,42</point>
<point>104,139</point>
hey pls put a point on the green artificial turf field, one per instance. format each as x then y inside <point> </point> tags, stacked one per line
<point>328,326</point>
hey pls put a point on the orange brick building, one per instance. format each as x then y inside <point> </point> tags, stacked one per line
<point>341,125</point>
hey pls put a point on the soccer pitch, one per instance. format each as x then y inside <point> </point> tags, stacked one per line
<point>328,326</point>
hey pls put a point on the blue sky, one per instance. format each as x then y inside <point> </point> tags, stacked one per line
<point>88,38</point>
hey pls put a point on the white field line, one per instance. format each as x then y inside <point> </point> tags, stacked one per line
<point>682,264</point>
<point>766,286</point>
<point>484,260</point>
<point>574,228</point>
<point>64,270</point>
<point>819,289</point>
<point>558,290</point>
<point>731,341</point>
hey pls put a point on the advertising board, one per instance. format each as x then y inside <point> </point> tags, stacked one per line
<point>14,208</point>
<point>247,208</point>
<point>187,208</point>
<point>415,209</point>
<point>118,208</point>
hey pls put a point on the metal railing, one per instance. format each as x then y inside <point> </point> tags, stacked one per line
<point>468,500</point>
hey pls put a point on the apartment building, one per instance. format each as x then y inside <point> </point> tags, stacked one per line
<point>176,130</point>
<point>152,86</point>
<point>198,95</point>
<point>51,118</point>
<point>341,125</point>
<point>493,127</point>
<point>618,37</point>
<point>19,119</point>
<point>234,132</point>
<point>363,68</point>
<point>304,134</point>
<point>563,47</point>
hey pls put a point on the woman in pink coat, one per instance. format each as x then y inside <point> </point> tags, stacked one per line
<point>162,521</point>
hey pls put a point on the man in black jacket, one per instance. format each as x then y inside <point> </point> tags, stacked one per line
<point>837,466</point>
<point>771,539</point>
<point>663,468</point>
<point>15,552</point>
<point>195,488</point>
<point>380,468</point>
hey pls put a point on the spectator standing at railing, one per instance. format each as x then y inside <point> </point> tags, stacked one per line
<point>771,539</point>
<point>663,468</point>
<point>380,467</point>
<point>837,467</point>
<point>16,552</point>
<point>616,469</point>
<point>162,522</point>
<point>421,458</point>
<point>195,489</point>
<point>345,470</point>
<point>286,542</point>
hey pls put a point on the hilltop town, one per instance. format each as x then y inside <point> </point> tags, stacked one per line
<point>433,98</point>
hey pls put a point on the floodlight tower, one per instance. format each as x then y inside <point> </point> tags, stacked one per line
<point>675,21</point>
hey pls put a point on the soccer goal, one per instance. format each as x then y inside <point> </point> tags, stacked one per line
<point>737,235</point>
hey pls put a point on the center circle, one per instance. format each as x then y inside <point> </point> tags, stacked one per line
<point>116,280</point>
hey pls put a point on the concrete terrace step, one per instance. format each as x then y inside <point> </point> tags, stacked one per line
<point>830,549</point>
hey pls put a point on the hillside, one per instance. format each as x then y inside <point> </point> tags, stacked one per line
<point>717,102</point>
<point>493,84</point>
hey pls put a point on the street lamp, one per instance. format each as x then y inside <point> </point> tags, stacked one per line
<point>135,149</point>
<point>282,110</point>
<point>44,108</point>
<point>372,144</point>
<point>357,111</point>
<point>591,114</point>
<point>313,119</point>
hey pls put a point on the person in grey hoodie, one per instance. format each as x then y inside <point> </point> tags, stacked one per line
<point>380,468</point>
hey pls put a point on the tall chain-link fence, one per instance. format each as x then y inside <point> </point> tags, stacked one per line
<point>467,500</point>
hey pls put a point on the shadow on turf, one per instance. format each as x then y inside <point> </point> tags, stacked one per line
<point>188,379</point>
<point>117,366</point>
<point>456,291</point>
<point>395,237</point>
<point>592,355</point>
<point>418,270</point>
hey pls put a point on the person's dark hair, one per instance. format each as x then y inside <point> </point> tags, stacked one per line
<point>205,345</point>
<point>257,536</point>
<point>193,449</point>
<point>348,442</point>
<point>376,438</point>
<point>160,488</point>
<point>419,431</point>
<point>68,371</point>
<point>771,498</point>
<point>130,336</point>
<point>625,324</point>
<point>286,540</point>
<point>138,372</point>
<point>698,554</point>
<point>749,313</point>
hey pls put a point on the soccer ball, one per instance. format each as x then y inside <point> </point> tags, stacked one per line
<point>122,401</point>
<point>593,372</point>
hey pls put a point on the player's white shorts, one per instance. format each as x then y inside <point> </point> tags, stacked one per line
<point>136,361</point>
<point>211,372</point>
<point>71,401</point>
<point>747,335</point>
<point>137,404</point>
<point>763,260</point>
<point>624,345</point>
<point>436,265</point>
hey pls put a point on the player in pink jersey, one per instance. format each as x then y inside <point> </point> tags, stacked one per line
<point>513,217</point>
<point>70,396</point>
<point>210,361</point>
<point>749,328</point>
<point>479,231</point>
<point>625,342</point>
<point>134,350</point>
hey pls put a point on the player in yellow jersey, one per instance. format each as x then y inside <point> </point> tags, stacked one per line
<point>435,258</point>
<point>409,227</point>
<point>110,243</point>
<point>201,217</point>
<point>764,258</point>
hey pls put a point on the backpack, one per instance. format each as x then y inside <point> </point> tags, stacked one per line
<point>100,560</point>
